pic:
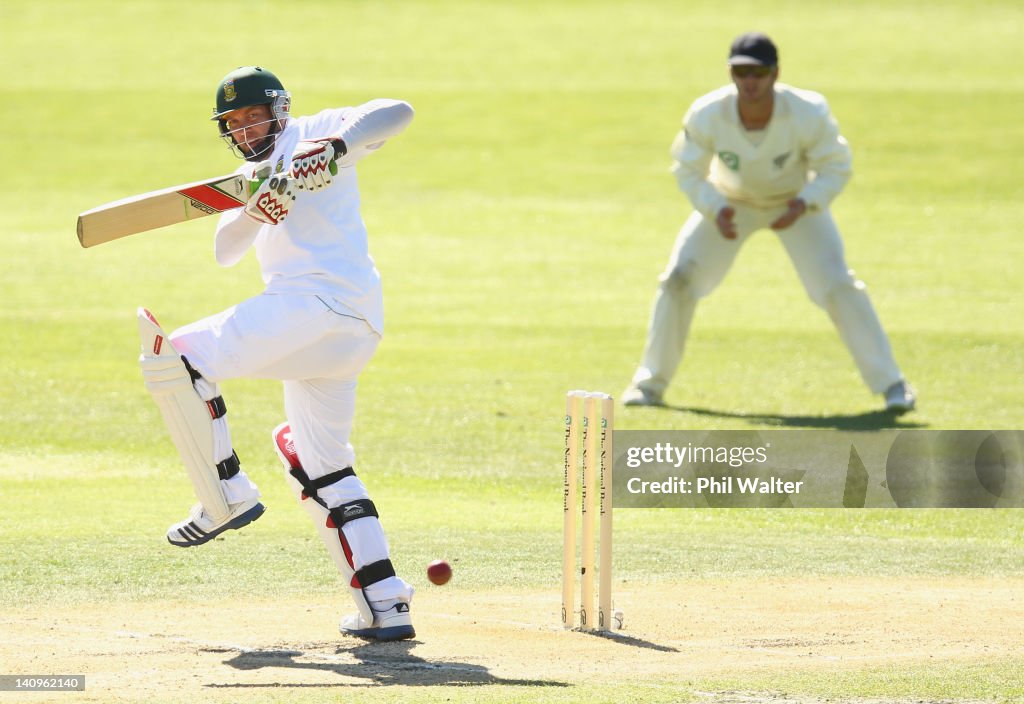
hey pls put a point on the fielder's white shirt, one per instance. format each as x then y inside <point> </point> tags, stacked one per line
<point>800,153</point>
<point>321,247</point>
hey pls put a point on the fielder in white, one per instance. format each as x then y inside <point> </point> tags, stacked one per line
<point>760,154</point>
<point>315,327</point>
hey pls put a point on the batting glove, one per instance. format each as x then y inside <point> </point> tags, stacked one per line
<point>271,201</point>
<point>311,165</point>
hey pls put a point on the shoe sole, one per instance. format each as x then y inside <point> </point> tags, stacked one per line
<point>901,408</point>
<point>382,634</point>
<point>235,523</point>
<point>643,403</point>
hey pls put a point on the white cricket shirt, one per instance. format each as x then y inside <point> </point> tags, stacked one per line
<point>800,153</point>
<point>321,247</point>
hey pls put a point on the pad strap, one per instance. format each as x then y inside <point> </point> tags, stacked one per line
<point>352,511</point>
<point>191,370</point>
<point>310,487</point>
<point>218,409</point>
<point>229,467</point>
<point>375,572</point>
<point>216,405</point>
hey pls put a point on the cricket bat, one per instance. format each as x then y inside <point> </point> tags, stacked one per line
<point>170,206</point>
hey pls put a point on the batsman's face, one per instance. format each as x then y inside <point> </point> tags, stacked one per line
<point>249,126</point>
<point>755,83</point>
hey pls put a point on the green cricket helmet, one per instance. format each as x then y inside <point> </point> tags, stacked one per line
<point>246,86</point>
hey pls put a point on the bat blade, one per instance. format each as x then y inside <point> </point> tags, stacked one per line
<point>169,206</point>
<point>173,205</point>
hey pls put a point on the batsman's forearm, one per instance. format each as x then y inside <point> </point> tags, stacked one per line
<point>235,234</point>
<point>368,126</point>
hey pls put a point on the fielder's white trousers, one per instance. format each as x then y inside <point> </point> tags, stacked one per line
<point>317,348</point>
<point>702,257</point>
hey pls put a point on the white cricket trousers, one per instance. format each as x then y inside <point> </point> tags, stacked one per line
<point>702,257</point>
<point>318,352</point>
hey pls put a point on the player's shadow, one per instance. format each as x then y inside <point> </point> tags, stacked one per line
<point>619,637</point>
<point>871,420</point>
<point>370,664</point>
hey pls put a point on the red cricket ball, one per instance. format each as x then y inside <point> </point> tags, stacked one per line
<point>439,572</point>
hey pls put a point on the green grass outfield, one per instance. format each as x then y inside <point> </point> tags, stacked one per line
<point>520,225</point>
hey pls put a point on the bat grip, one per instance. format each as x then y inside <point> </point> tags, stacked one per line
<point>340,148</point>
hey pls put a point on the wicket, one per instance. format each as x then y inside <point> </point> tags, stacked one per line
<point>589,423</point>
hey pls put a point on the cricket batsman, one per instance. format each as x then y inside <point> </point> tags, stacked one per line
<point>314,327</point>
<point>760,154</point>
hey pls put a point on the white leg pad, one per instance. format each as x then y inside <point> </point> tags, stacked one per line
<point>319,514</point>
<point>188,417</point>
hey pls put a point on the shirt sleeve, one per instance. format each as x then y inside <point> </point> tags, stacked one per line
<point>828,159</point>
<point>235,234</point>
<point>235,231</point>
<point>365,128</point>
<point>692,152</point>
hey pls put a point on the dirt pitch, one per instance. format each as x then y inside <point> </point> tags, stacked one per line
<point>254,651</point>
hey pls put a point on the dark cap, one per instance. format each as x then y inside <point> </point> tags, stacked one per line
<point>753,49</point>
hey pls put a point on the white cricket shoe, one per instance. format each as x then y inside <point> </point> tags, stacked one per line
<point>394,623</point>
<point>636,396</point>
<point>900,398</point>
<point>199,528</point>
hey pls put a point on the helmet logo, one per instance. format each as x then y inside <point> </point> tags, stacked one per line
<point>229,91</point>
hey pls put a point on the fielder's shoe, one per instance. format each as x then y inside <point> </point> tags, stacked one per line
<point>636,396</point>
<point>394,623</point>
<point>900,398</point>
<point>200,528</point>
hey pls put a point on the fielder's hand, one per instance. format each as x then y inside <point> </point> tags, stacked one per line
<point>271,201</point>
<point>725,224</point>
<point>795,208</point>
<point>311,164</point>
